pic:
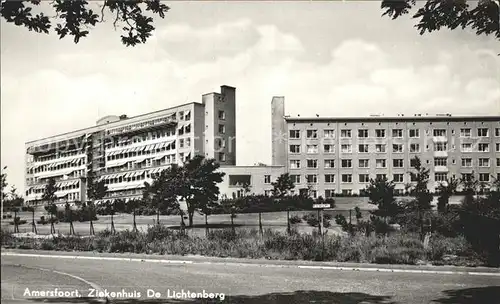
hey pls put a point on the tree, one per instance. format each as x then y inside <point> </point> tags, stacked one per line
<point>49,196</point>
<point>469,185</point>
<point>422,195</point>
<point>199,184</point>
<point>282,185</point>
<point>381,193</point>
<point>483,17</point>
<point>96,191</point>
<point>3,185</point>
<point>75,18</point>
<point>162,193</point>
<point>446,190</point>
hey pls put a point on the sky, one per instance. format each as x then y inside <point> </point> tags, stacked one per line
<point>326,58</point>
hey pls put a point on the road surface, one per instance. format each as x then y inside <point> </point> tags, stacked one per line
<point>241,281</point>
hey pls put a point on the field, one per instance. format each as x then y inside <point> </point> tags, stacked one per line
<point>273,220</point>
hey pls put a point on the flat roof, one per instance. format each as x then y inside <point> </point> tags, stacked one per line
<point>393,118</point>
<point>115,123</point>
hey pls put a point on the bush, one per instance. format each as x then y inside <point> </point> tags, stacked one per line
<point>17,220</point>
<point>295,219</point>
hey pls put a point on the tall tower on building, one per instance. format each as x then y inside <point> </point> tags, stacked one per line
<point>279,131</point>
<point>220,125</point>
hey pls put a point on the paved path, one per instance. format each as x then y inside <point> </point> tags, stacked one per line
<point>241,281</point>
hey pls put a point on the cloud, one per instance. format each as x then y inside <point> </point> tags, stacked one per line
<point>181,62</point>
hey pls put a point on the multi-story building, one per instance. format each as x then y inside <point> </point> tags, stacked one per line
<point>328,155</point>
<point>323,155</point>
<point>125,152</point>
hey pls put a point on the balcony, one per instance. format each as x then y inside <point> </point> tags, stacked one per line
<point>440,153</point>
<point>443,169</point>
<point>438,139</point>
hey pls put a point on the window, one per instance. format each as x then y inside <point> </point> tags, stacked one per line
<point>329,178</point>
<point>439,132</point>
<point>363,148</point>
<point>267,192</point>
<point>414,148</point>
<point>467,176</point>
<point>312,148</point>
<point>329,193</point>
<point>346,148</point>
<point>363,133</point>
<point>440,177</point>
<point>465,132</point>
<point>414,133</point>
<point>295,164</point>
<point>380,176</point>
<point>467,147</point>
<point>347,178</point>
<point>380,133</point>
<point>347,163</point>
<point>497,132</point>
<point>498,162</point>
<point>267,179</point>
<point>222,156</point>
<point>466,162</point>
<point>363,163</point>
<point>294,134</point>
<point>222,129</point>
<point>312,178</point>
<point>346,191</point>
<point>329,163</point>
<point>484,162</point>
<point>329,148</point>
<point>222,115</point>
<point>380,148</point>
<point>312,134</point>
<point>345,133</point>
<point>380,163</point>
<point>294,148</point>
<point>483,147</point>
<point>397,148</point>
<point>329,133</point>
<point>484,177</point>
<point>312,163</point>
<point>397,133</point>
<point>497,147</point>
<point>440,146</point>
<point>398,178</point>
<point>295,178</point>
<point>181,143</point>
<point>440,161</point>
<point>397,163</point>
<point>482,132</point>
<point>314,193</point>
<point>364,178</point>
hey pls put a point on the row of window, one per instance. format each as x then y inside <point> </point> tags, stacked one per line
<point>382,163</point>
<point>141,138</point>
<point>53,156</point>
<point>396,148</point>
<point>55,167</point>
<point>145,124</point>
<point>396,133</point>
<point>63,188</point>
<point>365,178</point>
<point>186,142</point>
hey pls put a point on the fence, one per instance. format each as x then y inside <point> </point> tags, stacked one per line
<point>266,220</point>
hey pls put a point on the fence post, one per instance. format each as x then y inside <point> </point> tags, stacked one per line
<point>289,231</point>
<point>135,225</point>
<point>71,228</point>
<point>320,219</point>
<point>350,217</point>
<point>16,227</point>
<point>260,224</point>
<point>33,224</point>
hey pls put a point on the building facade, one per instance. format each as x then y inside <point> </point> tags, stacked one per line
<point>126,152</point>
<point>330,155</point>
<point>324,155</point>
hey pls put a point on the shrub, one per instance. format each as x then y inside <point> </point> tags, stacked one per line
<point>295,219</point>
<point>311,219</point>
<point>17,220</point>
